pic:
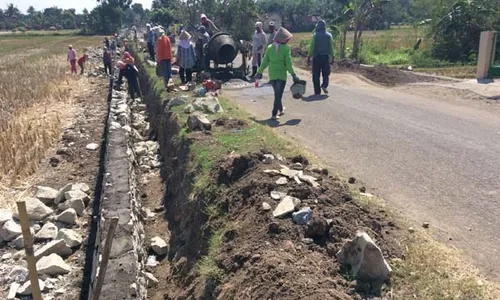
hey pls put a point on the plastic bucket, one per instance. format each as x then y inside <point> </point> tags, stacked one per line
<point>298,89</point>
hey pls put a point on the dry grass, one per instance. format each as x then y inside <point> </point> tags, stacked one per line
<point>431,270</point>
<point>33,77</point>
<point>434,271</point>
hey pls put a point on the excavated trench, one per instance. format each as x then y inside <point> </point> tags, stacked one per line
<point>147,166</point>
<point>184,221</point>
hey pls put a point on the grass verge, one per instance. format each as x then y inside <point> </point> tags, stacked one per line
<point>430,270</point>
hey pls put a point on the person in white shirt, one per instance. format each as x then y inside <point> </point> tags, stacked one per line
<point>259,44</point>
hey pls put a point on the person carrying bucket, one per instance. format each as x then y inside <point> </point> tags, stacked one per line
<point>321,50</point>
<point>278,58</point>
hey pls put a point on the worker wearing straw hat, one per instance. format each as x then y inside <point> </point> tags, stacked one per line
<point>278,58</point>
<point>186,57</point>
<point>259,43</point>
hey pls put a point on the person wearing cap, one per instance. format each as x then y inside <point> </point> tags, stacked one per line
<point>106,59</point>
<point>259,42</point>
<point>186,57</point>
<point>272,32</point>
<point>164,56</point>
<point>278,58</point>
<point>209,25</point>
<point>321,50</point>
<point>72,59</point>
<point>81,62</point>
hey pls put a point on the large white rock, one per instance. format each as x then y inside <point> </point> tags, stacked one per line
<point>208,105</point>
<point>25,289</point>
<point>76,195</point>
<point>60,195</point>
<point>309,179</point>
<point>70,237</point>
<point>159,246</point>
<point>289,173</point>
<point>13,291</point>
<point>286,206</point>
<point>18,274</point>
<point>197,121</point>
<point>282,181</point>
<point>67,217</point>
<point>365,259</point>
<point>81,186</point>
<point>176,101</point>
<point>46,194</point>
<point>58,247</point>
<point>5,216</point>
<point>36,209</point>
<point>52,265</point>
<point>76,204</point>
<point>10,230</point>
<point>48,232</point>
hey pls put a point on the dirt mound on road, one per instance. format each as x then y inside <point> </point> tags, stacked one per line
<point>381,74</point>
<point>263,257</point>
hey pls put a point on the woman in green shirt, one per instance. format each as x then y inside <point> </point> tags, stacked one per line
<point>278,58</point>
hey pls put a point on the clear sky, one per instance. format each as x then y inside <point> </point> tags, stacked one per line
<point>79,5</point>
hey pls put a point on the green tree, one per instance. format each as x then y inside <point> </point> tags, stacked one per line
<point>456,28</point>
<point>12,12</point>
<point>31,11</point>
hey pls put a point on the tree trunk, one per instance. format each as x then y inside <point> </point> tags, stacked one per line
<point>356,47</point>
<point>343,43</point>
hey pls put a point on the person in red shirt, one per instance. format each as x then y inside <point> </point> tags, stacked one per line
<point>164,56</point>
<point>81,62</point>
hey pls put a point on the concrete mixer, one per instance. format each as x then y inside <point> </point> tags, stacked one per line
<point>220,55</point>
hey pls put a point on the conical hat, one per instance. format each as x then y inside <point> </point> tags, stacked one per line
<point>282,35</point>
<point>184,35</point>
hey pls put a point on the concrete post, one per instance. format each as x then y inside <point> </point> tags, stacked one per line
<point>486,49</point>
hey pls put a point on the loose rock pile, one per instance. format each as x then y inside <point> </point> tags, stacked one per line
<point>361,254</point>
<point>197,108</point>
<point>54,222</point>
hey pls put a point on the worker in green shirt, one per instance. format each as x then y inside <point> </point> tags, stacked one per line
<point>278,58</point>
<point>321,51</point>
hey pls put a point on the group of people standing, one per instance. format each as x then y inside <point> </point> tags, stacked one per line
<point>159,45</point>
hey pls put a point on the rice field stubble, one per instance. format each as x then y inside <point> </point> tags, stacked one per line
<point>34,83</point>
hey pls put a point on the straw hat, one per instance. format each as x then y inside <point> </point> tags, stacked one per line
<point>258,24</point>
<point>184,35</point>
<point>283,35</point>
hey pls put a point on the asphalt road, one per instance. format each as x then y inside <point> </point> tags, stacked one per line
<point>433,160</point>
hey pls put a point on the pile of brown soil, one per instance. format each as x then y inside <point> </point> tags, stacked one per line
<point>264,257</point>
<point>380,74</point>
<point>298,52</point>
<point>231,123</point>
